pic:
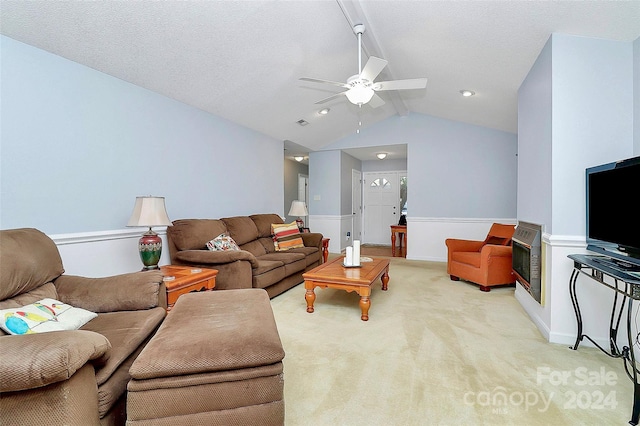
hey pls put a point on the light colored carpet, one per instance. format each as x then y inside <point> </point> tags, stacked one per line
<point>437,352</point>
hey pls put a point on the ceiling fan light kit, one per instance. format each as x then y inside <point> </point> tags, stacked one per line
<point>361,88</point>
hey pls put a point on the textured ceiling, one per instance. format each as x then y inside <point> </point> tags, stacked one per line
<point>242,60</point>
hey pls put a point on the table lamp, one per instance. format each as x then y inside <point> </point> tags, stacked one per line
<point>149,211</point>
<point>298,209</point>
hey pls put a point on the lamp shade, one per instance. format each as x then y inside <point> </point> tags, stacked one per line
<point>298,208</point>
<point>149,211</point>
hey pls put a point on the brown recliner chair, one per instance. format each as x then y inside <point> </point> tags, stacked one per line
<point>487,262</point>
<point>76,376</point>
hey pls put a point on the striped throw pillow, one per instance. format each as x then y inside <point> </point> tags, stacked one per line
<point>286,236</point>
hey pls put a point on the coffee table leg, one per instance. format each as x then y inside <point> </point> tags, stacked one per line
<point>310,297</point>
<point>385,280</point>
<point>365,303</point>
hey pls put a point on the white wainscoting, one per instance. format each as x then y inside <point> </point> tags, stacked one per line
<point>426,235</point>
<point>104,253</point>
<point>330,226</point>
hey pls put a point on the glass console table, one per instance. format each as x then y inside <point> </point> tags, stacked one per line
<point>627,289</point>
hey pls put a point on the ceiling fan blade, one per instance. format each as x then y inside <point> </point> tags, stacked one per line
<point>330,98</point>
<point>412,83</point>
<point>376,101</point>
<point>373,67</point>
<point>335,83</point>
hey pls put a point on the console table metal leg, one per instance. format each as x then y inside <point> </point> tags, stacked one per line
<point>635,413</point>
<point>576,307</point>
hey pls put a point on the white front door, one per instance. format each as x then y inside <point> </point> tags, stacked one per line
<point>381,206</point>
<point>356,205</point>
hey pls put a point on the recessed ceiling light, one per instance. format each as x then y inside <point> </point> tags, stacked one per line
<point>381,155</point>
<point>324,111</point>
<point>298,158</point>
<point>467,93</point>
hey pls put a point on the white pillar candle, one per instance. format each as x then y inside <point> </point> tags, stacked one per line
<point>356,252</point>
<point>349,259</point>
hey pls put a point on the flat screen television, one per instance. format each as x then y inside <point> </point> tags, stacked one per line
<point>613,218</point>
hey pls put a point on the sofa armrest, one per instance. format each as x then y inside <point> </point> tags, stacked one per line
<point>126,292</point>
<point>35,360</point>
<point>213,258</point>
<point>312,239</point>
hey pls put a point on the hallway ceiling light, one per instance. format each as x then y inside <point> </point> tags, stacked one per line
<point>298,158</point>
<point>467,93</point>
<point>324,111</point>
<point>381,155</point>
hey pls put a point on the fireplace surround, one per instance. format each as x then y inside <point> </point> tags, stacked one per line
<point>526,258</point>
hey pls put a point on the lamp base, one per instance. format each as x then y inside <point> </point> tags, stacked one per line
<point>150,248</point>
<point>300,223</point>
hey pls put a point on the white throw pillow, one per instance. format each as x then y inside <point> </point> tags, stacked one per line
<point>44,315</point>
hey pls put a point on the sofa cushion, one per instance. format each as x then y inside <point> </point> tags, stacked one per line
<point>126,330</point>
<point>42,316</point>
<point>312,254</point>
<point>293,262</point>
<point>254,247</point>
<point>241,228</point>
<point>29,259</point>
<point>263,223</point>
<point>193,234</point>
<point>222,242</point>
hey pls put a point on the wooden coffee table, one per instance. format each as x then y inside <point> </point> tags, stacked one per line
<point>360,280</point>
<point>180,280</point>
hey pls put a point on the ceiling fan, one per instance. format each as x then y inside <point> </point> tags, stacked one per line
<point>361,87</point>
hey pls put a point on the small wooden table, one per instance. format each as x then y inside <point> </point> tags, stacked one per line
<point>334,275</point>
<point>402,231</point>
<point>325,249</point>
<point>180,280</point>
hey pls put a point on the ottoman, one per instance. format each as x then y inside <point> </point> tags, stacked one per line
<point>215,360</point>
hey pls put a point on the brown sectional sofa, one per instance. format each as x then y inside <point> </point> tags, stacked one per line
<point>71,377</point>
<point>256,265</point>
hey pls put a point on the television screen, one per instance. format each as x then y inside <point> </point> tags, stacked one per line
<point>613,221</point>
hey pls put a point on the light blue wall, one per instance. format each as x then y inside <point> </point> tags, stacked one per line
<point>455,170</point>
<point>534,142</point>
<point>77,146</point>
<point>592,119</point>
<point>324,183</point>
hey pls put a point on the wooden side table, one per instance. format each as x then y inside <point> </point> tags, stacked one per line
<point>325,249</point>
<point>180,280</point>
<point>402,231</point>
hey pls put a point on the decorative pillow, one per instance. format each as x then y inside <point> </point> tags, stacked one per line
<point>44,315</point>
<point>222,242</point>
<point>286,236</point>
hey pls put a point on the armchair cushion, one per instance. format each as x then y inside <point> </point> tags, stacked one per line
<point>42,316</point>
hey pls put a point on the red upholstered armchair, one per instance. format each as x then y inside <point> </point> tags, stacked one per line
<point>487,262</point>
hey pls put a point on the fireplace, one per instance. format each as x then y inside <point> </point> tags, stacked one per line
<point>526,258</point>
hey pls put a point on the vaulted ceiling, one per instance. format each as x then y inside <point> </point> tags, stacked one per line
<point>242,60</point>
